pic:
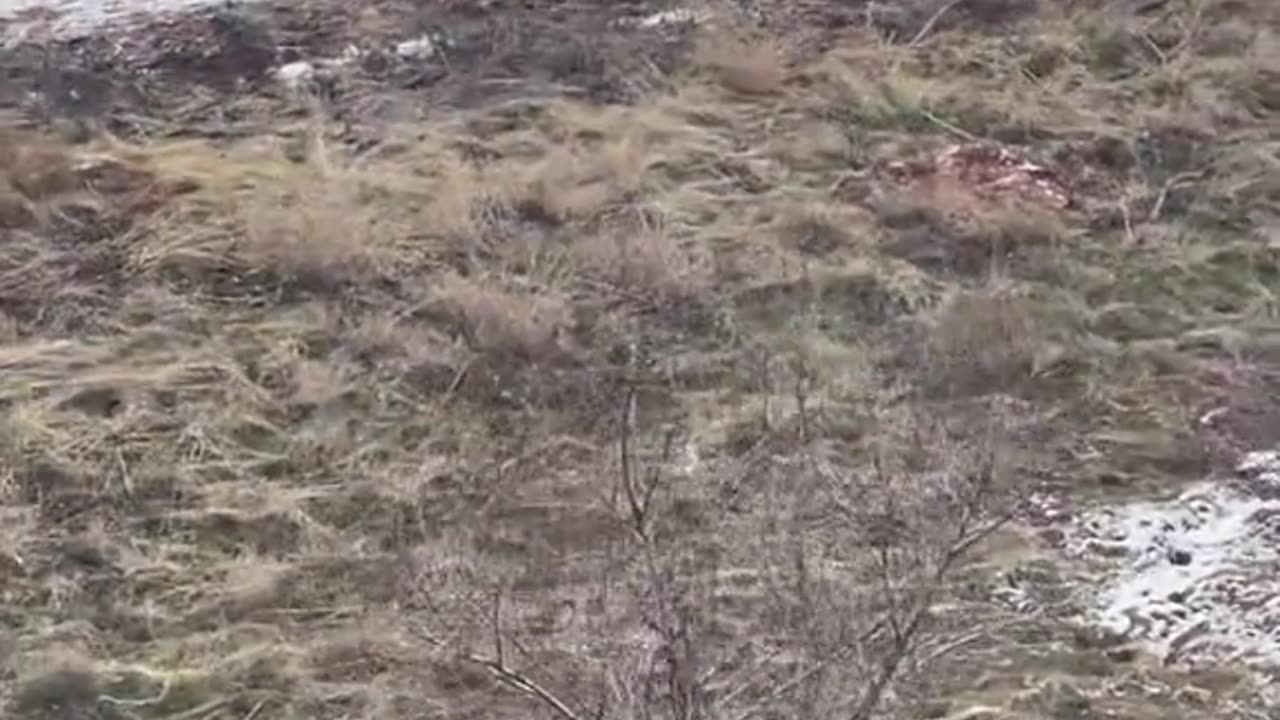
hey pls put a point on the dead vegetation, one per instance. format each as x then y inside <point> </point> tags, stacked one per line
<point>705,404</point>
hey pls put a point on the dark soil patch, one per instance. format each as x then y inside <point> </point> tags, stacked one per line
<point>196,71</point>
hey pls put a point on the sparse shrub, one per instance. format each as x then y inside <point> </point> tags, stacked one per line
<point>815,231</point>
<point>650,261</point>
<point>569,184</point>
<point>983,341</point>
<point>320,235</point>
<point>1109,48</point>
<point>496,319</point>
<point>811,598</point>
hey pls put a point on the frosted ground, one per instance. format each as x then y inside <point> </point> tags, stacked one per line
<point>90,11</point>
<point>1194,578</point>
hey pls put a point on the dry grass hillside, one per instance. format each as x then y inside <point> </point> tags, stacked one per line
<point>624,369</point>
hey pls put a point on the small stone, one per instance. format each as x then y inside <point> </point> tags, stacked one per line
<point>1087,638</point>
<point>1122,654</point>
<point>1194,695</point>
<point>1052,537</point>
<point>1113,480</point>
<point>1110,550</point>
<point>1180,557</point>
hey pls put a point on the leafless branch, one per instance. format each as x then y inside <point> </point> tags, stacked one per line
<point>527,686</point>
<point>512,679</point>
<point>928,26</point>
<point>496,621</point>
<point>1172,184</point>
<point>634,502</point>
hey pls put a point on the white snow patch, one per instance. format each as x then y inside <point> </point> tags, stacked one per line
<point>1196,578</point>
<point>294,74</point>
<point>297,74</point>
<point>419,48</point>
<point>680,16</point>
<point>1263,465</point>
<point>74,17</point>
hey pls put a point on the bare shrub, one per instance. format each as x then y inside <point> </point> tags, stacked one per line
<point>819,595</point>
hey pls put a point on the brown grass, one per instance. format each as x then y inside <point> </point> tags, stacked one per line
<point>319,232</point>
<point>751,66</point>
<point>631,410</point>
<point>985,340</point>
<point>648,261</point>
<point>525,323</point>
<point>36,166</point>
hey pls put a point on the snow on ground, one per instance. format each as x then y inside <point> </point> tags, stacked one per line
<point>1197,578</point>
<point>60,18</point>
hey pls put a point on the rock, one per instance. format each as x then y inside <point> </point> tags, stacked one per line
<point>245,46</point>
<point>1095,637</point>
<point>70,692</point>
<point>1179,557</point>
<point>1114,480</point>
<point>1108,550</point>
<point>1194,695</point>
<point>1053,537</point>
<point>1122,654</point>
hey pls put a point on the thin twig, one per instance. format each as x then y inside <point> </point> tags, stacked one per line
<point>126,480</point>
<point>1170,186</point>
<point>159,698</point>
<point>1128,222</point>
<point>928,26</point>
<point>201,711</point>
<point>950,127</point>
<point>527,686</point>
<point>634,502</point>
<point>1164,59</point>
<point>498,650</point>
<point>457,381</point>
<point>512,679</point>
<point>803,675</point>
<point>957,643</point>
<point>257,708</point>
